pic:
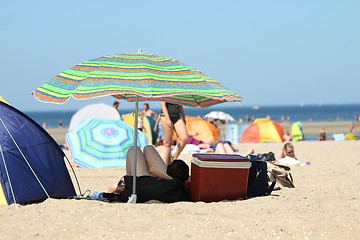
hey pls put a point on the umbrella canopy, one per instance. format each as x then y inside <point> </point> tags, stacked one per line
<point>263,130</point>
<point>135,77</point>
<point>219,115</point>
<point>127,76</point>
<point>99,143</point>
<point>97,110</point>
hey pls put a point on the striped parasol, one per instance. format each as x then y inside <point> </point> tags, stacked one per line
<point>99,143</point>
<point>127,76</point>
<point>136,77</point>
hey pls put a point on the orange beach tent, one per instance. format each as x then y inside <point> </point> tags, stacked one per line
<point>263,130</point>
<point>205,130</point>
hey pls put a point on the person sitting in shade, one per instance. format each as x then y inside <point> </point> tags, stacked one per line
<point>150,163</point>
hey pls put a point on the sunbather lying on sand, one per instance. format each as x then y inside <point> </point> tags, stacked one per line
<point>218,147</point>
<point>287,151</point>
<point>149,163</point>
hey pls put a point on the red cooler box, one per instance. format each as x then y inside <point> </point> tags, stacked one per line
<point>217,177</point>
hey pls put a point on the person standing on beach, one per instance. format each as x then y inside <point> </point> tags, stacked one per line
<point>148,112</point>
<point>173,119</point>
<point>116,106</point>
<point>158,129</point>
<point>141,122</point>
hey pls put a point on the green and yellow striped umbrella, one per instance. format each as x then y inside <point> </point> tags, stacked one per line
<point>127,76</point>
<point>136,77</point>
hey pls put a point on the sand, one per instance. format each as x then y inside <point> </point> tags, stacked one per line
<point>324,205</point>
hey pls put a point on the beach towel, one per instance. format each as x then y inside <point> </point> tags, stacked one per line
<point>289,161</point>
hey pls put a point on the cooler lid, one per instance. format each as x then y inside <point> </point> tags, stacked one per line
<point>220,157</point>
<point>220,161</point>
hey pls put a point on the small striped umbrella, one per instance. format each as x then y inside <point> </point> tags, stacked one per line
<point>100,143</point>
<point>136,77</point>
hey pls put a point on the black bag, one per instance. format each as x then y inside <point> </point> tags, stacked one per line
<point>270,156</point>
<point>258,181</point>
<point>151,188</point>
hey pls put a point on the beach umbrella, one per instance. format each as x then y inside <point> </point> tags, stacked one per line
<point>100,143</point>
<point>219,115</point>
<point>96,110</point>
<point>136,77</point>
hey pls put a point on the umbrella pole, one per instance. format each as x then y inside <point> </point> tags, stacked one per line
<point>133,196</point>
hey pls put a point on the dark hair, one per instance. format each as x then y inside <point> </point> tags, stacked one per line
<point>178,169</point>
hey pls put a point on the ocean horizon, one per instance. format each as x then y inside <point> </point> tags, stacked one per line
<point>315,113</point>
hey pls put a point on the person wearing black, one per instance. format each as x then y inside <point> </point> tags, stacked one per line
<point>173,119</point>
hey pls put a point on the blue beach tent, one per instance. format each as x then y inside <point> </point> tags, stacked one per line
<point>32,166</point>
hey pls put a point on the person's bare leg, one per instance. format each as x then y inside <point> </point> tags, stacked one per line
<point>220,149</point>
<point>182,133</point>
<point>228,149</point>
<point>164,152</point>
<point>156,166</point>
<point>141,167</point>
<point>168,134</point>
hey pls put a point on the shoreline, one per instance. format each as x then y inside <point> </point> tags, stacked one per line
<point>309,129</point>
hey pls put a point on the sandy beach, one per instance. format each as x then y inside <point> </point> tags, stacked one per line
<point>324,205</point>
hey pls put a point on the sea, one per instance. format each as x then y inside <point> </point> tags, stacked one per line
<point>315,113</point>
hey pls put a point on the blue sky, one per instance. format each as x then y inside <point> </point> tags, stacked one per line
<point>269,52</point>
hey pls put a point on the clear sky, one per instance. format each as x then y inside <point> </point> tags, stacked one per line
<point>269,52</point>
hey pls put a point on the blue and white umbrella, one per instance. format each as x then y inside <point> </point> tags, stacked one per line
<point>102,143</point>
<point>223,116</point>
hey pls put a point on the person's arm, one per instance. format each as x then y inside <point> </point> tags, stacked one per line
<point>154,114</point>
<point>280,155</point>
<point>156,123</point>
